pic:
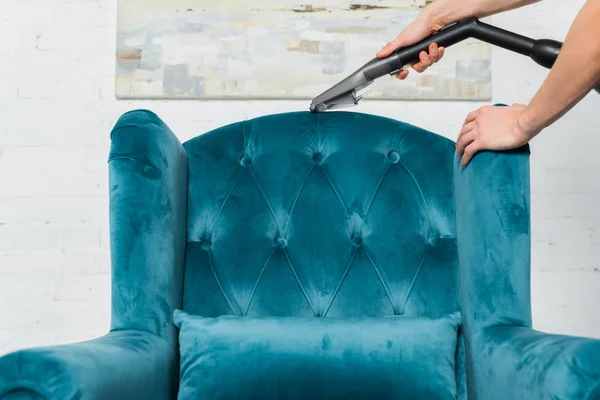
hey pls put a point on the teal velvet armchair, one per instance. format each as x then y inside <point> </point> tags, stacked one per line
<point>336,215</point>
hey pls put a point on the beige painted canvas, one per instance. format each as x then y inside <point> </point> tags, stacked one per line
<point>277,49</point>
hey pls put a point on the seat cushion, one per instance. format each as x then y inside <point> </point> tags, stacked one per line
<point>395,357</point>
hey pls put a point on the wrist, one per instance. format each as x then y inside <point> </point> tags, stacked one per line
<point>433,15</point>
<point>528,124</point>
<point>444,12</point>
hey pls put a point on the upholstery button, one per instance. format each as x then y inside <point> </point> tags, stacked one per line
<point>356,241</point>
<point>206,244</point>
<point>394,157</point>
<point>280,243</point>
<point>246,161</point>
<point>318,158</point>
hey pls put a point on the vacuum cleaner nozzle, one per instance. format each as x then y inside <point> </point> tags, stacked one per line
<point>351,90</point>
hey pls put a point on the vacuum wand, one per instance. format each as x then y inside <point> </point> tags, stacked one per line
<point>350,91</point>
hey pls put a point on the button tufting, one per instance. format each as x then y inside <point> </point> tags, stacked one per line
<point>246,161</point>
<point>356,241</point>
<point>393,156</point>
<point>206,244</point>
<point>280,243</point>
<point>318,158</point>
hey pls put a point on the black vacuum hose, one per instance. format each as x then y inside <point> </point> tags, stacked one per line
<point>543,51</point>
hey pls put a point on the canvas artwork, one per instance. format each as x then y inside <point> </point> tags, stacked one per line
<point>277,49</point>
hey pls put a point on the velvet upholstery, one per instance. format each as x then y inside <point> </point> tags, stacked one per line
<point>311,215</point>
<point>296,358</point>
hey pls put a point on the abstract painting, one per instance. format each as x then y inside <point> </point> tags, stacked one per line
<point>277,49</point>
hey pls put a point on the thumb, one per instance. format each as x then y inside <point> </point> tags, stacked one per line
<point>419,29</point>
<point>392,46</point>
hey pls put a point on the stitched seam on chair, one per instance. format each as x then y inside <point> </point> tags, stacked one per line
<point>581,371</point>
<point>478,331</point>
<point>385,174</point>
<point>258,281</point>
<point>24,384</point>
<point>378,188</point>
<point>225,202</point>
<point>413,282</point>
<point>404,138</point>
<point>143,127</point>
<point>337,289</point>
<point>131,158</point>
<point>595,390</point>
<point>387,292</point>
<point>212,268</point>
<point>265,199</point>
<point>335,191</point>
<point>430,228</point>
<point>298,280</point>
<point>136,330</point>
<point>417,185</point>
<point>298,197</point>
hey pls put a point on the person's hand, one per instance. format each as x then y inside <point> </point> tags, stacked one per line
<point>493,128</point>
<point>419,29</point>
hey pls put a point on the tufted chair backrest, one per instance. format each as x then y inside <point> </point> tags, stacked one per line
<point>324,215</point>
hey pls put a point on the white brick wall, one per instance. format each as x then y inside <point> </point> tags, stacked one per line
<point>57,108</point>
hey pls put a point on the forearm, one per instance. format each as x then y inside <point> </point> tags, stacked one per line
<point>449,11</point>
<point>575,72</point>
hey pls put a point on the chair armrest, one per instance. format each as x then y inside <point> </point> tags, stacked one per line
<point>492,201</point>
<point>520,363</point>
<point>121,365</point>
